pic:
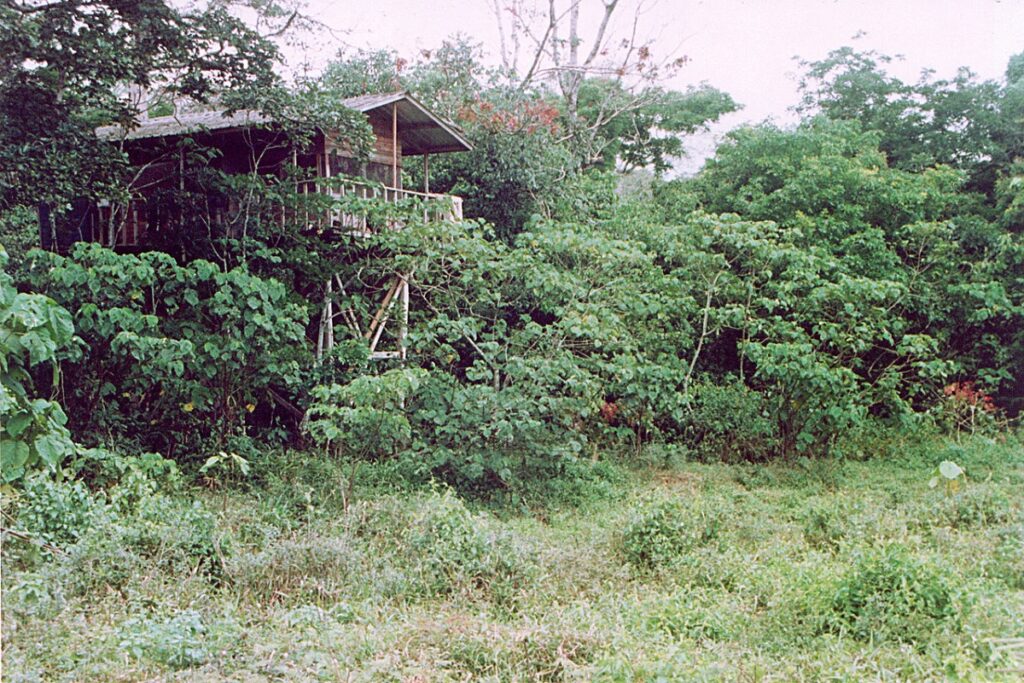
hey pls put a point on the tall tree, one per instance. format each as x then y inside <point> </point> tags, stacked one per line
<point>70,65</point>
<point>958,121</point>
<point>607,81</point>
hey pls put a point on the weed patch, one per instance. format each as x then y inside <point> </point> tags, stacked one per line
<point>659,533</point>
<point>890,595</point>
<point>459,551</point>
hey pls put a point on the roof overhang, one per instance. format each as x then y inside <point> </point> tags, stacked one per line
<point>422,131</point>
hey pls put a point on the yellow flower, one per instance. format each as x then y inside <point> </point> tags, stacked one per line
<point>250,407</point>
<point>188,407</point>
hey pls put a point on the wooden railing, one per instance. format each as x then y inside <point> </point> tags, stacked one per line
<point>128,225</point>
<point>435,207</point>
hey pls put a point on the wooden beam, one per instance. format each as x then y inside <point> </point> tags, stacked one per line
<point>419,125</point>
<point>380,327</point>
<point>327,189</point>
<point>348,313</point>
<point>383,308</point>
<point>394,145</point>
<point>329,344</point>
<point>320,335</point>
<point>403,330</point>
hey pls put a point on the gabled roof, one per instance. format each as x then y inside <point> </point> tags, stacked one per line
<point>421,130</point>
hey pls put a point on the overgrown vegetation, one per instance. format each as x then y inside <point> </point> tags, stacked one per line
<point>684,430</point>
<point>677,571</point>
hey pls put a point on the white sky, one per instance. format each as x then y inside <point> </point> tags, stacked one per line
<point>744,47</point>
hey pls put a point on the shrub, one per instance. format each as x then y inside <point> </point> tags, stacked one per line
<point>313,567</point>
<point>58,512</point>
<point>101,560</point>
<point>179,642</point>
<point>126,480</point>
<point>691,614</point>
<point>973,507</point>
<point>657,534</point>
<point>729,423</point>
<point>824,526</point>
<point>1009,556</point>
<point>163,533</point>
<point>176,530</point>
<point>579,482</point>
<point>34,595</point>
<point>890,595</point>
<point>483,438</point>
<point>459,551</point>
<point>365,418</point>
<point>32,330</point>
<point>172,352</point>
<point>473,650</point>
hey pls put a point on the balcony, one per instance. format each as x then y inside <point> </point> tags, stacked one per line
<point>435,207</point>
<point>129,226</point>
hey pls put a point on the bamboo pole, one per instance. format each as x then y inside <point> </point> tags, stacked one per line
<point>383,309</point>
<point>380,328</point>
<point>320,336</point>
<point>327,174</point>
<point>347,313</point>
<point>330,316</point>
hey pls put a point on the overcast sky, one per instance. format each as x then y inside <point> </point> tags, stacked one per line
<point>744,47</point>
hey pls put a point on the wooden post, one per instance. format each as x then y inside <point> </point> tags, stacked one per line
<point>426,173</point>
<point>320,336</point>
<point>381,313</point>
<point>329,314</point>
<point>403,330</point>
<point>386,311</point>
<point>327,174</point>
<point>395,180</point>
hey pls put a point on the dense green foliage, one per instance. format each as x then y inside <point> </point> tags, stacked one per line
<point>33,328</point>
<point>170,356</point>
<point>802,294</point>
<point>836,290</point>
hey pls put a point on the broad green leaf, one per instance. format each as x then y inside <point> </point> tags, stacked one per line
<point>949,469</point>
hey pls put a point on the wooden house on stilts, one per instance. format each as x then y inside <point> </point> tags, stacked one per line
<point>246,142</point>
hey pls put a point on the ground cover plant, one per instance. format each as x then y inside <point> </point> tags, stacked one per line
<point>288,580</point>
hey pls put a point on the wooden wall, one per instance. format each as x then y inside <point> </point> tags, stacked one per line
<point>379,166</point>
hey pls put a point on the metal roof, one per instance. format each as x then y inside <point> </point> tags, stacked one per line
<point>422,131</point>
<point>182,124</point>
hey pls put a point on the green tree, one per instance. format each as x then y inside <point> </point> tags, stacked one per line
<point>33,328</point>
<point>645,129</point>
<point>959,122</point>
<point>71,65</point>
<point>866,227</point>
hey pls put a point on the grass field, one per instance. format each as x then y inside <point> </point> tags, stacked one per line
<point>663,571</point>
